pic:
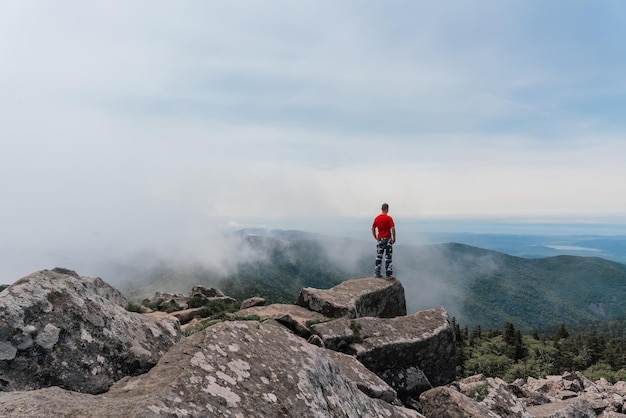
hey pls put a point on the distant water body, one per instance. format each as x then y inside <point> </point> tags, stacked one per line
<point>571,248</point>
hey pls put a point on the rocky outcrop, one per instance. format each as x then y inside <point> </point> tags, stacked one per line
<point>356,298</point>
<point>568,396</point>
<point>444,402</point>
<point>253,301</point>
<point>411,353</point>
<point>68,335</point>
<point>200,296</point>
<point>296,318</point>
<point>261,367</point>
<point>238,369</point>
<point>60,329</point>
<point>573,395</point>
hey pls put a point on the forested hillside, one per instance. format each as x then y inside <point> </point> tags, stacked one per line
<point>476,286</point>
<point>489,288</point>
<point>508,354</point>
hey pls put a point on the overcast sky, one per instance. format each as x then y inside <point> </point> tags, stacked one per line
<point>125,121</point>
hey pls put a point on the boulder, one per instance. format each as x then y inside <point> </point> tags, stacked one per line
<point>254,301</point>
<point>201,296</point>
<point>209,292</point>
<point>569,408</point>
<point>571,396</point>
<point>411,353</point>
<point>60,329</point>
<point>527,396</point>
<point>446,402</point>
<point>296,318</point>
<point>238,369</point>
<point>612,414</point>
<point>167,302</point>
<point>370,384</point>
<point>186,315</point>
<point>220,303</point>
<point>356,298</point>
<point>502,401</point>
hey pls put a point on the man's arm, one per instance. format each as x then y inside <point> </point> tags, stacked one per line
<point>393,234</point>
<point>374,232</point>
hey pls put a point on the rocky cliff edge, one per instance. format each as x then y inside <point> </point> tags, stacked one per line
<point>69,348</point>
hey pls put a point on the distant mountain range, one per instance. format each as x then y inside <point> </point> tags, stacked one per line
<point>477,286</point>
<point>489,288</point>
<point>535,246</point>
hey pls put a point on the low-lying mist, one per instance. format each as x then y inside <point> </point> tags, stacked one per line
<point>277,264</point>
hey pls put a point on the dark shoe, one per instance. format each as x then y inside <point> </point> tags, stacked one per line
<point>379,276</point>
<point>390,278</point>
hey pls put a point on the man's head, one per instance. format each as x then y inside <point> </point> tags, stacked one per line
<point>385,208</point>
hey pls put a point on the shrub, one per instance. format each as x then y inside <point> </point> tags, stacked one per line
<point>133,307</point>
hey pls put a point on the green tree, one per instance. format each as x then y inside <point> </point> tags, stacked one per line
<point>561,333</point>
<point>490,365</point>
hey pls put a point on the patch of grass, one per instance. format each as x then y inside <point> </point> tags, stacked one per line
<point>356,333</point>
<point>216,307</point>
<point>316,321</point>
<point>161,305</point>
<point>133,307</point>
<point>196,301</point>
<point>482,391</point>
<point>247,318</point>
<point>200,326</point>
<point>215,319</point>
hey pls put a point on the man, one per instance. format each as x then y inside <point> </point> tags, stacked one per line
<point>384,231</point>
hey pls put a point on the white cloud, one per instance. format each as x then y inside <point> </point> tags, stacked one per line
<point>132,122</point>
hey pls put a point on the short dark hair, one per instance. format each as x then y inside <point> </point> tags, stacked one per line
<point>385,206</point>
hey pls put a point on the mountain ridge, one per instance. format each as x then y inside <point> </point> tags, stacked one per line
<point>476,285</point>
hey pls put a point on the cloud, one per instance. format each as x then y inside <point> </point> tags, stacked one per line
<point>126,125</point>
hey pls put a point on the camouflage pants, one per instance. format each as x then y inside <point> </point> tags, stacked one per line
<point>384,250</point>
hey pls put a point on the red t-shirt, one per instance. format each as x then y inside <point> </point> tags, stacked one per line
<point>383,223</point>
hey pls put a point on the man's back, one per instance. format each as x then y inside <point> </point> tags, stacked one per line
<point>383,223</point>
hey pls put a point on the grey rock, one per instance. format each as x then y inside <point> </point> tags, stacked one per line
<point>411,353</point>
<point>251,302</point>
<point>618,387</point>
<point>356,298</point>
<point>370,384</point>
<point>201,296</point>
<point>472,386</point>
<point>60,329</point>
<point>197,300</point>
<point>611,414</point>
<point>237,369</point>
<point>168,302</point>
<point>315,340</point>
<point>527,396</point>
<point>338,334</point>
<point>296,318</point>
<point>446,402</point>
<point>502,401</point>
<point>186,315</point>
<point>570,396</point>
<point>569,408</point>
<point>209,292</point>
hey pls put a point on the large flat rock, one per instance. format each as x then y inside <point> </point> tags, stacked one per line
<point>356,298</point>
